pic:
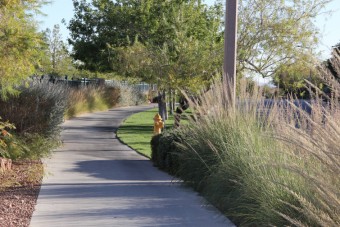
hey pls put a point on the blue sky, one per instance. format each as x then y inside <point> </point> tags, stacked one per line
<point>328,24</point>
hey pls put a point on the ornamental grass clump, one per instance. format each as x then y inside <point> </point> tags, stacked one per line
<point>98,98</point>
<point>264,164</point>
<point>129,94</point>
<point>86,99</point>
<point>316,142</point>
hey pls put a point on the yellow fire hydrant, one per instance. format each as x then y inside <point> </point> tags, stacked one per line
<point>158,124</point>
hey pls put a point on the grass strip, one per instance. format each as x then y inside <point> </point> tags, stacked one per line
<point>137,130</point>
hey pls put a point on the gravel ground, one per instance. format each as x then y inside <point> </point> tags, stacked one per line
<point>19,189</point>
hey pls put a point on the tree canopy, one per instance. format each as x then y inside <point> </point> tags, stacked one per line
<point>272,36</point>
<point>188,59</point>
<point>57,61</point>
<point>101,26</point>
<point>20,43</point>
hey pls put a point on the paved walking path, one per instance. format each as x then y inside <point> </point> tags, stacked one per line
<point>94,180</point>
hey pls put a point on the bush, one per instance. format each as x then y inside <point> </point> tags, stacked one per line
<point>96,98</point>
<point>165,150</point>
<point>111,95</point>
<point>38,108</point>
<point>87,99</point>
<point>27,146</point>
<point>130,95</point>
<point>37,146</point>
<point>8,145</point>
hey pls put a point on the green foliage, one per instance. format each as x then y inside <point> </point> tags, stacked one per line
<point>183,39</point>
<point>293,80</point>
<point>19,43</point>
<point>165,150</point>
<point>155,40</point>
<point>37,146</point>
<point>57,60</point>
<point>24,146</point>
<point>275,34</point>
<point>27,146</point>
<point>137,131</point>
<point>8,144</point>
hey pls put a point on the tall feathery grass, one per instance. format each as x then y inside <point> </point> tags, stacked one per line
<point>265,163</point>
<point>316,142</point>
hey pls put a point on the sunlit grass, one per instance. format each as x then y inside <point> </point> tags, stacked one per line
<point>137,131</point>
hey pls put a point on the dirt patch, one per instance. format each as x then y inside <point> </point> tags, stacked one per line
<point>19,189</point>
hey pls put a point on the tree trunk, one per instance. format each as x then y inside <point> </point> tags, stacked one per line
<point>162,105</point>
<point>171,102</point>
<point>183,105</point>
<point>174,100</point>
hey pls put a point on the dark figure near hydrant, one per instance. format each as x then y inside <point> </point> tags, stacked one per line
<point>158,124</point>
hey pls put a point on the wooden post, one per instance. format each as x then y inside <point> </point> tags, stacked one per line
<point>230,47</point>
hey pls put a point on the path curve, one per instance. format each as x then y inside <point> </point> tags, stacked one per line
<point>94,180</point>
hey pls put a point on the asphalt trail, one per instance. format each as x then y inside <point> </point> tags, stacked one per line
<point>94,180</point>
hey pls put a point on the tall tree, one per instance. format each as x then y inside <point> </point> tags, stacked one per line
<point>20,43</point>
<point>274,35</point>
<point>171,43</point>
<point>99,27</point>
<point>58,61</point>
<point>185,56</point>
<point>191,56</point>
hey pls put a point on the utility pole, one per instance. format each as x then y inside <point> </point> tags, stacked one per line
<point>230,47</point>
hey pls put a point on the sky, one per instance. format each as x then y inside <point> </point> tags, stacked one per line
<point>327,24</point>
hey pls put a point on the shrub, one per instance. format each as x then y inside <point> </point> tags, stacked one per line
<point>38,108</point>
<point>129,95</point>
<point>165,150</point>
<point>111,95</point>
<point>96,98</point>
<point>36,146</point>
<point>8,145</point>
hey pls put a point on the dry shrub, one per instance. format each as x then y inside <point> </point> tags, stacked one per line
<point>96,98</point>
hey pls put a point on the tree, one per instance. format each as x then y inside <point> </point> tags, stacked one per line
<point>184,61</point>
<point>103,25</point>
<point>292,80</point>
<point>272,34</point>
<point>20,43</point>
<point>187,61</point>
<point>276,34</point>
<point>171,43</point>
<point>58,61</point>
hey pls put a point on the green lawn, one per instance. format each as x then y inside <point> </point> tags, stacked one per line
<point>137,131</point>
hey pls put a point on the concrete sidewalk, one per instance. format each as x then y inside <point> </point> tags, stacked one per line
<point>94,180</point>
